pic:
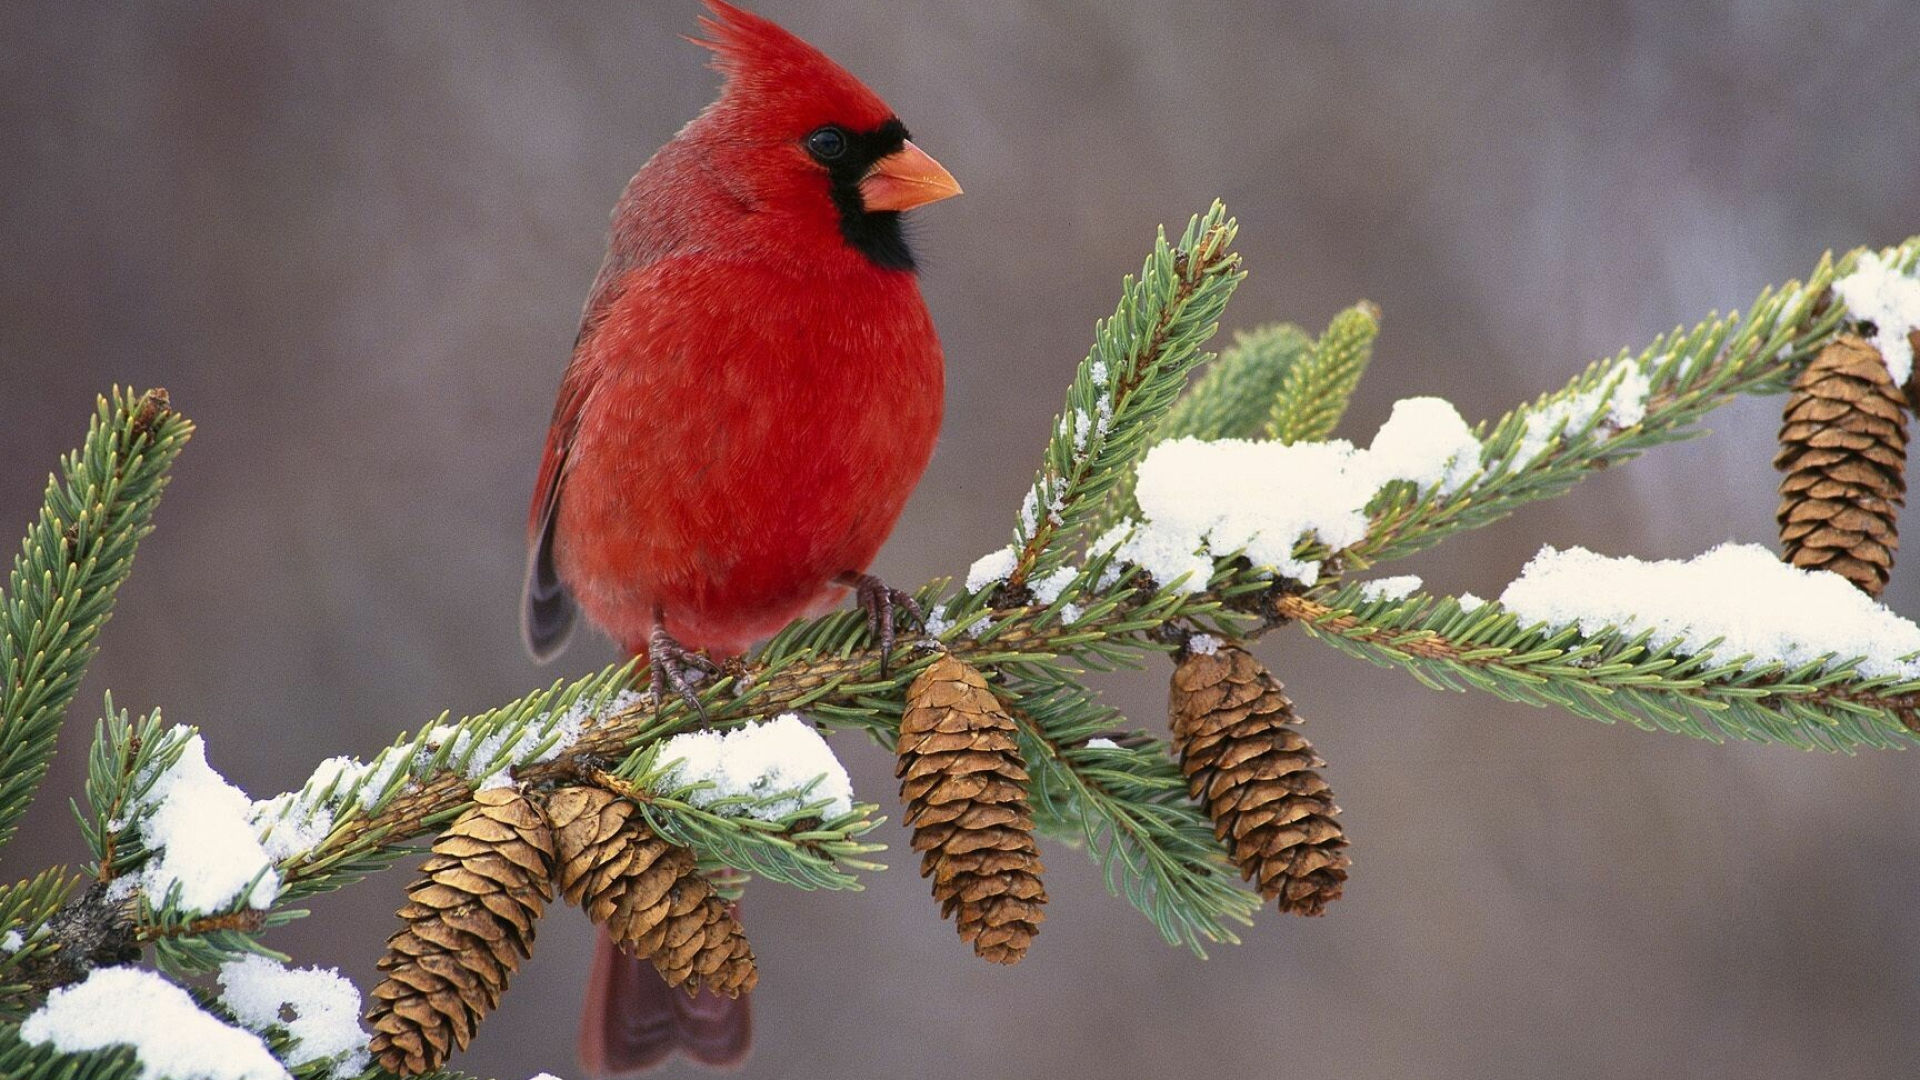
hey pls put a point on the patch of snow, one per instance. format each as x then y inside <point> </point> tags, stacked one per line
<point>295,822</point>
<point>12,942</point>
<point>1200,500</point>
<point>1108,542</point>
<point>776,758</point>
<point>1030,512</point>
<point>1425,441</point>
<point>326,1010</point>
<point>990,568</point>
<point>1390,588</point>
<point>380,772</point>
<point>1204,644</point>
<point>198,827</point>
<point>1205,500</point>
<point>940,622</point>
<point>1741,594</point>
<point>170,1035</point>
<point>1470,602</point>
<point>501,779</point>
<point>1082,428</point>
<point>1622,392</point>
<point>1882,295</point>
<point>1070,613</point>
<point>485,760</point>
<point>1102,744</point>
<point>1099,372</point>
<point>1049,588</point>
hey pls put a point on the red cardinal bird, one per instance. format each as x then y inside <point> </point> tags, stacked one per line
<point>755,390</point>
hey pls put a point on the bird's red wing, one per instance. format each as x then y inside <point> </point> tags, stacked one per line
<point>547,611</point>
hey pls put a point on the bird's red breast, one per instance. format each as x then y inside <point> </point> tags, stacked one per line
<point>757,384</point>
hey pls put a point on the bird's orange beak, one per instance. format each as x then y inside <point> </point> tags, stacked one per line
<point>906,178</point>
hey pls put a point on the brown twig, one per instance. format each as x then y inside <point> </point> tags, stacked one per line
<point>249,921</point>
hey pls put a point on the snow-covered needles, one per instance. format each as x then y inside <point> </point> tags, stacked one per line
<point>1736,600</point>
<point>1622,392</point>
<point>204,844</point>
<point>769,771</point>
<point>1200,501</point>
<point>171,1037</point>
<point>324,1009</point>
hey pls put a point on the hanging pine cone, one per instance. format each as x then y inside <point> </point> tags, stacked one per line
<point>469,923</point>
<point>648,893</point>
<point>1843,446</point>
<point>965,788</point>
<point>1255,775</point>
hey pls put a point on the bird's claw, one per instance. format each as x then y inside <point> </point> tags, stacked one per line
<point>878,600</point>
<point>671,662</point>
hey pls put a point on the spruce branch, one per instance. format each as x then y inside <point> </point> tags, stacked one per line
<point>1155,847</point>
<point>1315,393</point>
<point>124,761</point>
<point>1233,399</point>
<point>72,563</point>
<point>1688,372</point>
<point>1134,373</point>
<point>1614,676</point>
<point>19,1058</point>
<point>27,909</point>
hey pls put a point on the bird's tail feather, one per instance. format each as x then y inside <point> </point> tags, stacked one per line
<point>633,1021</point>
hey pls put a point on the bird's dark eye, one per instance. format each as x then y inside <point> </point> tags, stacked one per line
<point>827,144</point>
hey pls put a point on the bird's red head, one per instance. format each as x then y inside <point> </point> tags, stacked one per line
<point>813,140</point>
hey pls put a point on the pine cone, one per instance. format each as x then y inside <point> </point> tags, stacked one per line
<point>648,893</point>
<point>1255,775</point>
<point>469,922</point>
<point>965,788</point>
<point>1843,446</point>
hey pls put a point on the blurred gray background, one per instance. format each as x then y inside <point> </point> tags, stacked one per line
<point>352,240</point>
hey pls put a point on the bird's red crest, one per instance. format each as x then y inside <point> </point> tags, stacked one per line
<point>766,63</point>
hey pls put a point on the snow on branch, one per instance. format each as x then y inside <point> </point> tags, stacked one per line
<point>1737,600</point>
<point>1669,669</point>
<point>171,1037</point>
<point>1205,501</point>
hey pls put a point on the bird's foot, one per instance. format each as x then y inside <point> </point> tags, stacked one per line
<point>673,666</point>
<point>878,600</point>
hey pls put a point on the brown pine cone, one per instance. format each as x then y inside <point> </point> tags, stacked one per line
<point>648,893</point>
<point>469,922</point>
<point>965,788</point>
<point>1255,775</point>
<point>1843,447</point>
